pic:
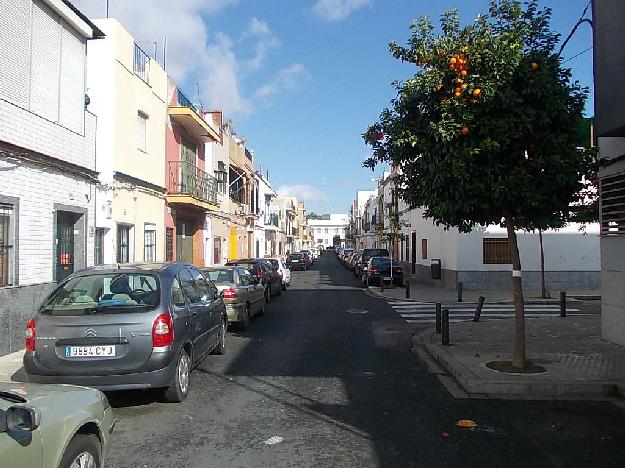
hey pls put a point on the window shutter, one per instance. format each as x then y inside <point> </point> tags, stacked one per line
<point>72,102</point>
<point>46,63</point>
<point>14,51</point>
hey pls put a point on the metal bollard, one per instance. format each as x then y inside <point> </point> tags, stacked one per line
<point>445,326</point>
<point>408,289</point>
<point>438,317</point>
<point>562,303</point>
<point>459,292</point>
<point>478,309</point>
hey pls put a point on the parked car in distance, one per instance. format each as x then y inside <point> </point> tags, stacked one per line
<point>129,326</point>
<point>283,271</point>
<point>264,272</point>
<point>308,257</point>
<point>353,261</point>
<point>54,426</point>
<point>379,268</point>
<point>243,295</point>
<point>359,266</point>
<point>296,261</point>
<point>345,253</point>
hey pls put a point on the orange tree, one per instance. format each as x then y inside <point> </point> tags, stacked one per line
<point>484,131</point>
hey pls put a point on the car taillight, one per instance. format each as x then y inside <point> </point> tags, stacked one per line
<point>374,270</point>
<point>30,335</point>
<point>230,293</point>
<point>163,331</point>
<point>397,270</point>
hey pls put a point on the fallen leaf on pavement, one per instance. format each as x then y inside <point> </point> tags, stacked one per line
<point>466,423</point>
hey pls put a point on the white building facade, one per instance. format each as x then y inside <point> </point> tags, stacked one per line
<point>47,156</point>
<point>329,228</point>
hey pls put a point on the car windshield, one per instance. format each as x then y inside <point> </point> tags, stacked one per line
<point>295,257</point>
<point>368,253</point>
<point>274,263</point>
<point>104,293</point>
<point>220,276</point>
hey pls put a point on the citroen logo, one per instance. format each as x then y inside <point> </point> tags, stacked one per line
<point>90,333</point>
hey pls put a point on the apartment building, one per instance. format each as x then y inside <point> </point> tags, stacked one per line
<point>48,171</point>
<point>128,92</point>
<point>285,211</point>
<point>330,229</point>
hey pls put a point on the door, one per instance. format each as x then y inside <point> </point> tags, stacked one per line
<point>188,167</point>
<point>184,241</point>
<point>199,314</point>
<point>24,448</point>
<point>211,307</point>
<point>217,251</point>
<point>64,244</point>
<point>414,253</point>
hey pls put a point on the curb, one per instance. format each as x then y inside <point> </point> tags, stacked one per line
<point>473,384</point>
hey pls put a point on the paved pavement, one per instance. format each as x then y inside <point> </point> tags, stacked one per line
<point>577,362</point>
<point>327,379</point>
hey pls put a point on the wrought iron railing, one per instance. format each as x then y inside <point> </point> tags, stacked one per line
<point>185,101</point>
<point>187,179</point>
<point>141,64</point>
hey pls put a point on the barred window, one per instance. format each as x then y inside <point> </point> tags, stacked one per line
<point>6,245</point>
<point>169,244</point>
<point>496,251</point>
<point>123,243</point>
<point>99,246</point>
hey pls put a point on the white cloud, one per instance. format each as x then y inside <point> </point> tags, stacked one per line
<point>192,50</point>
<point>306,193</point>
<point>286,80</point>
<point>337,10</point>
<point>265,39</point>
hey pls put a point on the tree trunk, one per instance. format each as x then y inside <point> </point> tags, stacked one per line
<point>543,289</point>
<point>518,355</point>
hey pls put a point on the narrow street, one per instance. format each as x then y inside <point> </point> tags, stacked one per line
<point>326,378</point>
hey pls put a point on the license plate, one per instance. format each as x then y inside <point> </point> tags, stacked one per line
<point>295,261</point>
<point>387,278</point>
<point>90,351</point>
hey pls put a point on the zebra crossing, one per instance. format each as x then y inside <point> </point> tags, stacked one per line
<point>425,312</point>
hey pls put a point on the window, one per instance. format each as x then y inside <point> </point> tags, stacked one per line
<point>98,256</point>
<point>496,251</point>
<point>336,231</point>
<point>177,297</point>
<point>326,230</point>
<point>142,123</point>
<point>149,242</point>
<point>424,249</point>
<point>169,244</point>
<point>222,177</point>
<point>201,285</point>
<point>6,244</point>
<point>123,243</point>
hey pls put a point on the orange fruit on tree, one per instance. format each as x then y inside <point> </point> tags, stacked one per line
<point>477,92</point>
<point>458,81</point>
<point>453,60</point>
<point>463,72</point>
<point>457,94</point>
<point>535,66</point>
<point>463,86</point>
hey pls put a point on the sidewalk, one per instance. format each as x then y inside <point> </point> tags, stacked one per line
<point>426,293</point>
<point>579,364</point>
<point>11,367</point>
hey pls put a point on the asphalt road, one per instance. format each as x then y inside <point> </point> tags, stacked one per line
<point>326,378</point>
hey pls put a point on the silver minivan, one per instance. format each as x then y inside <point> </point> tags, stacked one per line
<point>131,326</point>
<point>243,295</point>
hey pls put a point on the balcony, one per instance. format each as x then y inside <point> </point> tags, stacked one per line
<point>190,186</point>
<point>185,114</point>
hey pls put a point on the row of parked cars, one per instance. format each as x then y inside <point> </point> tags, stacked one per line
<point>122,327</point>
<point>372,266</point>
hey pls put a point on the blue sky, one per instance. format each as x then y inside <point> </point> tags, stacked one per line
<point>302,79</point>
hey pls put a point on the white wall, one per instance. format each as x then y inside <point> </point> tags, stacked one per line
<point>38,189</point>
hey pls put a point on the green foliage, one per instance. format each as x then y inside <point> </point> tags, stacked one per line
<point>486,126</point>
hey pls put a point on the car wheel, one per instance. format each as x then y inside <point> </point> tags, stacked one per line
<point>221,346</point>
<point>84,450</point>
<point>179,388</point>
<point>245,323</point>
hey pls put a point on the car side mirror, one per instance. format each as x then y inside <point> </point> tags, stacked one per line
<point>21,418</point>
